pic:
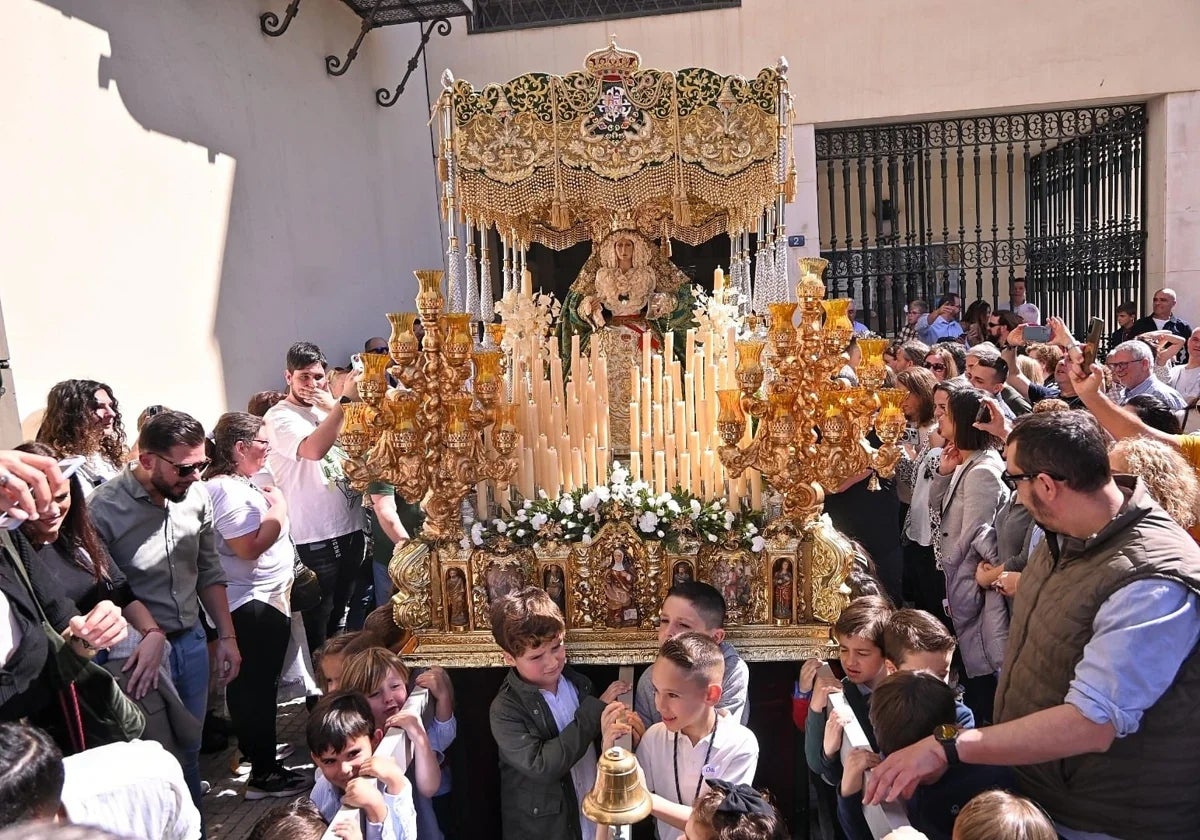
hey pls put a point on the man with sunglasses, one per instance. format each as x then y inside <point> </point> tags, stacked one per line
<point>155,519</point>
<point>1096,704</point>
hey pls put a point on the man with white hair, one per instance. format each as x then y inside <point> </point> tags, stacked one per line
<point>1163,318</point>
<point>1132,366</point>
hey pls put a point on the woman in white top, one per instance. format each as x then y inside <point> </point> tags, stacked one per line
<point>257,556</point>
<point>83,418</point>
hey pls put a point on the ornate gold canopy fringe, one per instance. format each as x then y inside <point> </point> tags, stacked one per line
<point>687,154</point>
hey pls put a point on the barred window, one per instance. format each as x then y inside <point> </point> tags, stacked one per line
<point>497,15</point>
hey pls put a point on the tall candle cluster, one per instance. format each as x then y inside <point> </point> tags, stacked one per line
<point>673,436</point>
<point>673,417</point>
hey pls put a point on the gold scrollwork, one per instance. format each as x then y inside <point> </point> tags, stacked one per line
<point>412,601</point>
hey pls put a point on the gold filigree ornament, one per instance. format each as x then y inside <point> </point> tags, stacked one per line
<point>805,397</point>
<point>688,154</point>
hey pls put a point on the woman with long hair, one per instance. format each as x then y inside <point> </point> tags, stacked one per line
<point>257,556</point>
<point>924,585</point>
<point>941,363</point>
<point>974,321</point>
<point>968,490</point>
<point>69,548</point>
<point>84,418</point>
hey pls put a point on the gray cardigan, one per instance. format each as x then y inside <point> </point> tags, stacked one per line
<point>968,500</point>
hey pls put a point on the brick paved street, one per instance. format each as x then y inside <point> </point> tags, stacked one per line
<point>230,817</point>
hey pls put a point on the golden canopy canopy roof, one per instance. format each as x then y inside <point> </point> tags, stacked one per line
<point>562,159</point>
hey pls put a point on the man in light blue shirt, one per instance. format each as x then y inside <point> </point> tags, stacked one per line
<point>942,323</point>
<point>1101,657</point>
<point>1132,365</point>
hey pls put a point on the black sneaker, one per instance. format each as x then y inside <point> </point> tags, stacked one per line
<point>239,765</point>
<point>278,783</point>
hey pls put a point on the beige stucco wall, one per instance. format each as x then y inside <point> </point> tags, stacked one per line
<point>854,60</point>
<point>184,197</point>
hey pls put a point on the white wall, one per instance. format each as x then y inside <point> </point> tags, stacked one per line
<point>185,197</point>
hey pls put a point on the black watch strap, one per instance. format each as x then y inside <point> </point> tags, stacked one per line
<point>947,736</point>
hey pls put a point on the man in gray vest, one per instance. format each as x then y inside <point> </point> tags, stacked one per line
<point>1097,705</point>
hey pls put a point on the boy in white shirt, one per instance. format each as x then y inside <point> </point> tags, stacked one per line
<point>694,741</point>
<point>342,739</point>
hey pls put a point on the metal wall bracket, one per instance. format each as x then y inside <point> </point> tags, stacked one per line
<point>387,98</point>
<point>334,66</point>
<point>269,23</point>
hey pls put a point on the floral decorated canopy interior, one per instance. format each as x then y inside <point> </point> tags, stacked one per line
<point>688,154</point>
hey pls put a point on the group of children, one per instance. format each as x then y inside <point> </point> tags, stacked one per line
<point>687,729</point>
<point>895,677</point>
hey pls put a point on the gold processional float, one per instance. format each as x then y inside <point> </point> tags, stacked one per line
<point>643,431</point>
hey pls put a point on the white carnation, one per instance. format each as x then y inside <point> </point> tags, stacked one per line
<point>477,533</point>
<point>566,505</point>
<point>539,521</point>
<point>648,522</point>
<point>758,544</point>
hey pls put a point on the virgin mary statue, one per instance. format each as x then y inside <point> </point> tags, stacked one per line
<point>627,290</point>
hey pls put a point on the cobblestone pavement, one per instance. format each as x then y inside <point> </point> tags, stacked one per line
<point>227,815</point>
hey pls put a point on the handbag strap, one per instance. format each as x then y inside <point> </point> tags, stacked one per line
<point>7,541</point>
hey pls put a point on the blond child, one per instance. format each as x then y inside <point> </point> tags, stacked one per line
<point>1000,815</point>
<point>382,677</point>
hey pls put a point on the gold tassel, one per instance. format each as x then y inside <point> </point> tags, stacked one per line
<point>789,186</point>
<point>560,216</point>
<point>443,168</point>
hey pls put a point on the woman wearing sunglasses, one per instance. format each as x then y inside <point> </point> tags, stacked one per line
<point>257,557</point>
<point>940,362</point>
<point>967,491</point>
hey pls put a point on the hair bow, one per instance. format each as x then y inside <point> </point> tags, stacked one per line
<point>740,799</point>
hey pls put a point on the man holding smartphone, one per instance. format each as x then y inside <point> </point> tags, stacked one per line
<point>942,323</point>
<point>326,513</point>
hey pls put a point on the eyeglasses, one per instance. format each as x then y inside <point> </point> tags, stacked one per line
<point>1119,367</point>
<point>935,366</point>
<point>266,443</point>
<point>1011,479</point>
<point>184,470</point>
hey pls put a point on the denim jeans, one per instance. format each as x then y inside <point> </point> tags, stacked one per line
<point>189,672</point>
<point>383,584</point>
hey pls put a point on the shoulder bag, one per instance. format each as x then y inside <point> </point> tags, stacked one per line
<point>95,709</point>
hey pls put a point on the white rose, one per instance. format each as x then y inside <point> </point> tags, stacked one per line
<point>758,544</point>
<point>603,493</point>
<point>477,533</point>
<point>729,517</point>
<point>648,522</point>
<point>501,526</point>
<point>589,502</point>
<point>696,508</point>
<point>673,506</point>
<point>539,520</point>
<point>566,505</point>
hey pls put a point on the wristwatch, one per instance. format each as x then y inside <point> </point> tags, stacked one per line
<point>947,736</point>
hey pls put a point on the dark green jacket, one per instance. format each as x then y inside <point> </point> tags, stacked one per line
<point>536,793</point>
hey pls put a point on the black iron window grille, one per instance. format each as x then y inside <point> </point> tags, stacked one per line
<point>968,205</point>
<point>497,15</point>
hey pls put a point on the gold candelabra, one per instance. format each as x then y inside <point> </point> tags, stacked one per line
<point>812,425</point>
<point>447,429</point>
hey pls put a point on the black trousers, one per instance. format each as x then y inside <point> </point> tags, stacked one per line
<point>263,633</point>
<point>924,582</point>
<point>341,567</point>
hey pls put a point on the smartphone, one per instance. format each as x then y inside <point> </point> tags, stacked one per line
<point>68,467</point>
<point>911,436</point>
<point>1035,334</point>
<point>1095,332</point>
<point>985,414</point>
<point>356,363</point>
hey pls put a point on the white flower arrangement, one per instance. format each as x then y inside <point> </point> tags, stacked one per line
<point>577,516</point>
<point>718,312</point>
<point>528,316</point>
